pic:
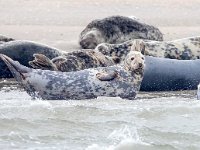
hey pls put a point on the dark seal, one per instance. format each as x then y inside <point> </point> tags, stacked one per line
<point>115,30</point>
<point>23,51</point>
<point>163,74</point>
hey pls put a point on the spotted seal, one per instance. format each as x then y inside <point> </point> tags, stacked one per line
<point>116,29</point>
<point>23,51</point>
<point>109,55</point>
<point>106,54</point>
<point>164,74</point>
<point>72,61</point>
<point>182,49</point>
<point>122,81</point>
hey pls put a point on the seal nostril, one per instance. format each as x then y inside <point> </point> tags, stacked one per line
<point>140,64</point>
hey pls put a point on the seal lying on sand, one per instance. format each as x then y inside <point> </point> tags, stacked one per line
<point>198,92</point>
<point>162,74</point>
<point>73,61</point>
<point>123,81</point>
<point>183,49</point>
<point>116,29</point>
<point>187,48</point>
<point>23,51</point>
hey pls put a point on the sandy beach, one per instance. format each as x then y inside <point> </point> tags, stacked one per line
<point>154,121</point>
<point>58,23</point>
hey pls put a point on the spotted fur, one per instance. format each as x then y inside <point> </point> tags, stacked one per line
<point>84,84</point>
<point>115,30</point>
<point>182,49</point>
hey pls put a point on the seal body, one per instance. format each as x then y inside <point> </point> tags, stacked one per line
<point>84,84</point>
<point>73,61</point>
<point>4,39</point>
<point>116,29</point>
<point>23,51</point>
<point>163,74</point>
<point>106,54</point>
<point>182,49</point>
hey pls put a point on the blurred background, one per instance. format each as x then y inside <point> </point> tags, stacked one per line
<point>58,23</point>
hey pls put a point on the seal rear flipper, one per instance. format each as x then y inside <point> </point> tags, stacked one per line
<point>107,75</point>
<point>42,62</point>
<point>15,67</point>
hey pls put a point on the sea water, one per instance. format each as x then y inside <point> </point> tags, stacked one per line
<point>154,121</point>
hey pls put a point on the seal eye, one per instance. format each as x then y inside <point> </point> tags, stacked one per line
<point>132,58</point>
<point>143,58</point>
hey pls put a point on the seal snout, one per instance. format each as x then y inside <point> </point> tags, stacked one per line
<point>140,65</point>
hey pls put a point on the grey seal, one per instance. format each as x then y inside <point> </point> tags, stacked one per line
<point>164,74</point>
<point>23,51</point>
<point>122,81</point>
<point>115,30</point>
<point>182,49</point>
<point>106,54</point>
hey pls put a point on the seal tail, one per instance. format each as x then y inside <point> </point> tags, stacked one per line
<point>15,67</point>
<point>42,62</point>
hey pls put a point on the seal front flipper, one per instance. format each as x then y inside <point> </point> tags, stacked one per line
<point>107,75</point>
<point>42,62</point>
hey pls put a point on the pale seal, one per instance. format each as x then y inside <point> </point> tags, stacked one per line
<point>182,49</point>
<point>116,29</point>
<point>103,56</point>
<point>23,51</point>
<point>122,81</point>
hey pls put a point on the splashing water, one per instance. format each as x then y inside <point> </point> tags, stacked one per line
<point>155,121</point>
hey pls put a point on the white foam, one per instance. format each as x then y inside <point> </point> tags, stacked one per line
<point>122,139</point>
